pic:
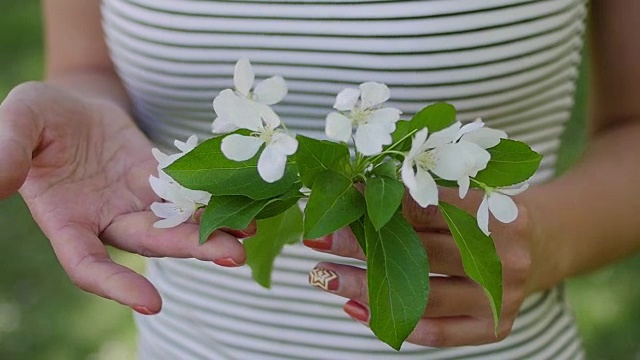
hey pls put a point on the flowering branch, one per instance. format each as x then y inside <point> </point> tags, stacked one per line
<point>256,169</point>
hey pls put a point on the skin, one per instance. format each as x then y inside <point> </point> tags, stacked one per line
<point>82,166</point>
<point>72,150</point>
<point>574,224</point>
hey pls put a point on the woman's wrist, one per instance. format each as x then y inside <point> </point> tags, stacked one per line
<point>101,84</point>
<point>548,254</point>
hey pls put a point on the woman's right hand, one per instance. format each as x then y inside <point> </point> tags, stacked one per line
<point>82,166</point>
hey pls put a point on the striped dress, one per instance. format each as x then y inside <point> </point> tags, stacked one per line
<point>511,62</point>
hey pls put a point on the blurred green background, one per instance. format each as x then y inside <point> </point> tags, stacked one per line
<point>42,316</point>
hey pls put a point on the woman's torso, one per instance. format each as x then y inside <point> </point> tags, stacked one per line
<point>511,62</point>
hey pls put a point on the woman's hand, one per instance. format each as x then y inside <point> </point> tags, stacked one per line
<point>82,167</point>
<point>458,312</point>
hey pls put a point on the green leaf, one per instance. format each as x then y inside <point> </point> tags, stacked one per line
<point>446,183</point>
<point>398,279</point>
<point>383,196</point>
<point>333,204</point>
<point>512,162</point>
<point>435,117</point>
<point>387,169</point>
<point>231,211</point>
<point>271,236</point>
<point>357,228</point>
<point>281,203</point>
<point>479,257</point>
<point>206,168</point>
<point>316,156</point>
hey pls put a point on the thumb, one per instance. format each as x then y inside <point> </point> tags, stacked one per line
<point>430,218</point>
<point>20,129</point>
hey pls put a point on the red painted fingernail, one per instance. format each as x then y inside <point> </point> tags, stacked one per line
<point>323,243</point>
<point>325,279</point>
<point>142,310</point>
<point>357,311</point>
<point>227,262</point>
<point>240,234</point>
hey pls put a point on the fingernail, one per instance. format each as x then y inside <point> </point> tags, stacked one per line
<point>240,234</point>
<point>324,243</point>
<point>227,262</point>
<point>324,279</point>
<point>142,310</point>
<point>357,311</point>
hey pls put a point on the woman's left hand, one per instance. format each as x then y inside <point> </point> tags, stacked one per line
<point>458,311</point>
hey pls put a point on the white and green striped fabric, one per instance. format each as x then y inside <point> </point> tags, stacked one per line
<point>511,62</point>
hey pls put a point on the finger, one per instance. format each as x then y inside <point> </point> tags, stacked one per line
<point>429,218</point>
<point>20,129</point>
<point>343,280</point>
<point>441,332</point>
<point>455,296</point>
<point>342,243</point>
<point>243,233</point>
<point>135,233</point>
<point>86,261</point>
<point>444,256</point>
<point>442,251</point>
<point>457,331</point>
<point>448,296</point>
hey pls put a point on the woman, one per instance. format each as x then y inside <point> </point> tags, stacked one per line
<point>72,148</point>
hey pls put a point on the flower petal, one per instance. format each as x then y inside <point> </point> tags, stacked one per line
<point>269,116</point>
<point>223,126</point>
<point>386,117</point>
<point>239,147</point>
<point>408,175</point>
<point>338,127</point>
<point>477,156</point>
<point>503,207</point>
<point>172,214</point>
<point>195,196</point>
<point>426,191</point>
<point>417,145</point>
<point>271,91</point>
<point>271,164</point>
<point>370,138</point>
<point>444,136</point>
<point>451,162</point>
<point>243,77</point>
<point>469,127</point>
<point>463,186</point>
<point>165,209</point>
<point>514,191</point>
<point>166,189</point>
<point>239,112</point>
<point>163,159</point>
<point>225,103</point>
<point>483,216</point>
<point>485,138</point>
<point>188,145</point>
<point>283,143</point>
<point>372,94</point>
<point>346,99</point>
<point>247,115</point>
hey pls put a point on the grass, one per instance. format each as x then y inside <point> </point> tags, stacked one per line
<point>43,316</point>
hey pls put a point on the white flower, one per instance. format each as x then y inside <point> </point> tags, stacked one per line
<point>279,145</point>
<point>502,207</point>
<point>241,101</point>
<point>374,123</point>
<point>475,133</point>
<point>442,156</point>
<point>165,160</point>
<point>181,203</point>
